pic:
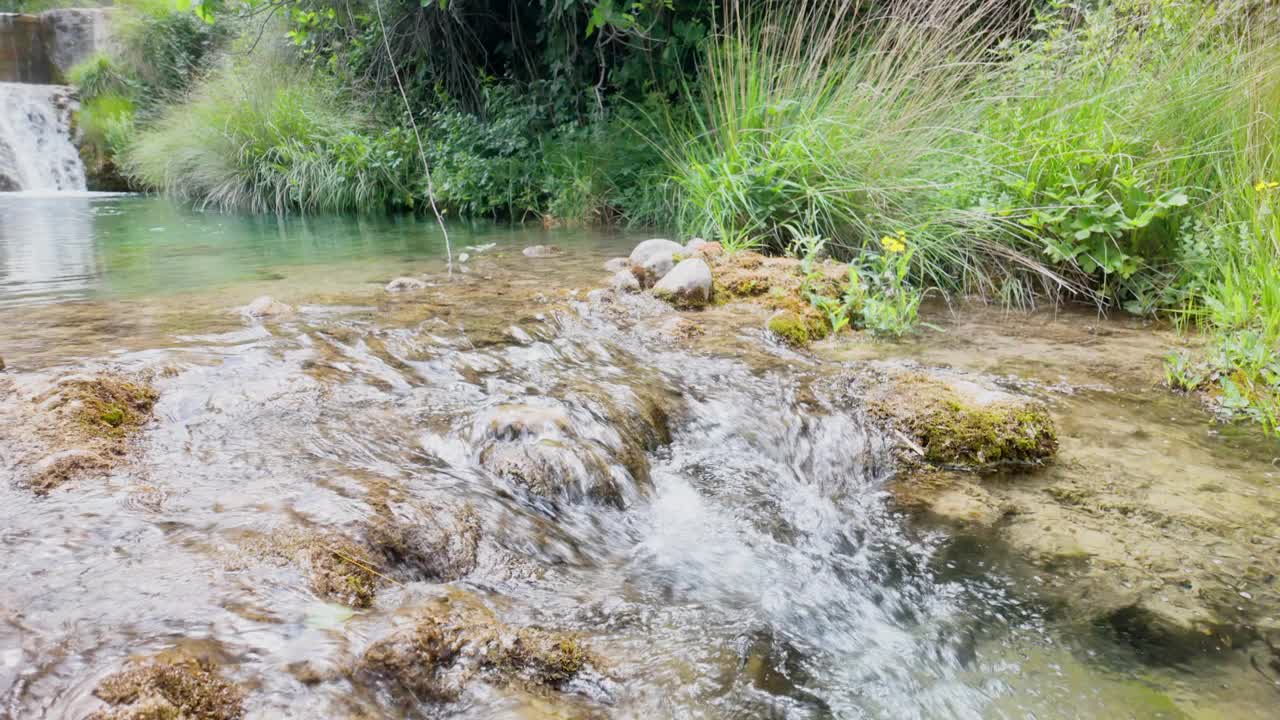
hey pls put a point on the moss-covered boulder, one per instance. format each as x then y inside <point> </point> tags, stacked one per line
<point>87,423</point>
<point>169,689</point>
<point>797,329</point>
<point>455,640</point>
<point>957,422</point>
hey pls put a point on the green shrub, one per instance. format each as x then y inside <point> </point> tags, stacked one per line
<point>262,135</point>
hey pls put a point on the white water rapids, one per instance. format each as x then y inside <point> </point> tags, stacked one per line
<point>36,148</point>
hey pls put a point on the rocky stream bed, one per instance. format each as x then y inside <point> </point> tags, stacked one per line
<point>543,484</point>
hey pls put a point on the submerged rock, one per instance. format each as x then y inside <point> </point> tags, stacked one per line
<point>90,422</point>
<point>421,540</point>
<point>686,285</point>
<point>405,284</point>
<point>614,265</point>
<point>455,640</point>
<point>341,570</point>
<point>266,306</point>
<point>590,447</point>
<point>165,689</point>
<point>542,251</point>
<point>679,328</point>
<point>60,467</point>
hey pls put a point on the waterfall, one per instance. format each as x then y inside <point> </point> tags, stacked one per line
<point>36,149</point>
<point>37,146</point>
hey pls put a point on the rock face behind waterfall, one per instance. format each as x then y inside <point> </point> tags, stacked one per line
<point>42,49</point>
<point>22,52</point>
<point>36,148</point>
<point>72,35</point>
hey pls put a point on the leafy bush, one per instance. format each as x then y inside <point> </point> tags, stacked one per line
<point>262,135</point>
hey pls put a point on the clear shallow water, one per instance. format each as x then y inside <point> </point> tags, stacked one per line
<point>760,574</point>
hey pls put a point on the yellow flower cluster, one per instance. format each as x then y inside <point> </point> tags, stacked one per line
<point>894,244</point>
<point>1262,185</point>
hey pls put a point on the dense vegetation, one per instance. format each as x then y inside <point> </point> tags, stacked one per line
<point>1121,152</point>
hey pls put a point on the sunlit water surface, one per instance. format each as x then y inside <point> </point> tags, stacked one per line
<point>762,574</point>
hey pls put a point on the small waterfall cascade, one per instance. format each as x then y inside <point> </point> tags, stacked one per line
<point>37,144</point>
<point>36,148</point>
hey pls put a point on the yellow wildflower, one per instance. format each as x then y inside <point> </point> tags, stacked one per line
<point>1265,185</point>
<point>894,244</point>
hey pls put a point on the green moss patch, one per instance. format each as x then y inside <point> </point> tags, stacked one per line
<point>111,406</point>
<point>952,428</point>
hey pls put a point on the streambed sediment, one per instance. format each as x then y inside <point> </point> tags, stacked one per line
<point>525,498</point>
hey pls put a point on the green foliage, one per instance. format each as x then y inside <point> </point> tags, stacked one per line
<point>877,297</point>
<point>265,136</point>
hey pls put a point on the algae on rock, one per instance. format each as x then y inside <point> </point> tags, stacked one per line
<point>959,423</point>
<point>455,640</point>
<point>169,689</point>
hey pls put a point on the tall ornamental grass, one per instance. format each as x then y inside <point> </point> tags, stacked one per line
<point>261,134</point>
<point>1068,157</point>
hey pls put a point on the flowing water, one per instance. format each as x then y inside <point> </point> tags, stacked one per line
<point>36,151</point>
<point>759,573</point>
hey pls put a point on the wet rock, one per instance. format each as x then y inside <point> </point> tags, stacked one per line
<point>686,285</point>
<point>614,265</point>
<point>679,328</point>
<point>1,364</point>
<point>169,689</point>
<point>654,268</point>
<point>266,306</point>
<point>515,421</point>
<point>599,296</point>
<point>341,570</point>
<point>60,467</point>
<point>557,469</point>
<point>405,284</point>
<point>542,251</point>
<point>947,498</point>
<point>455,640</point>
<point>591,447</point>
<point>959,422</point>
<point>647,248</point>
<point>421,540</point>
<point>91,420</point>
<point>624,281</point>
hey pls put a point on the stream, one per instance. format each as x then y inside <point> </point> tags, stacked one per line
<point>753,568</point>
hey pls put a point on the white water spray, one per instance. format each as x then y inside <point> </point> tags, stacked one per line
<point>36,150</point>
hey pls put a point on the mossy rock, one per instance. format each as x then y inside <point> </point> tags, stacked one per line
<point>797,329</point>
<point>960,423</point>
<point>342,570</point>
<point>169,689</point>
<point>111,406</point>
<point>455,640</point>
